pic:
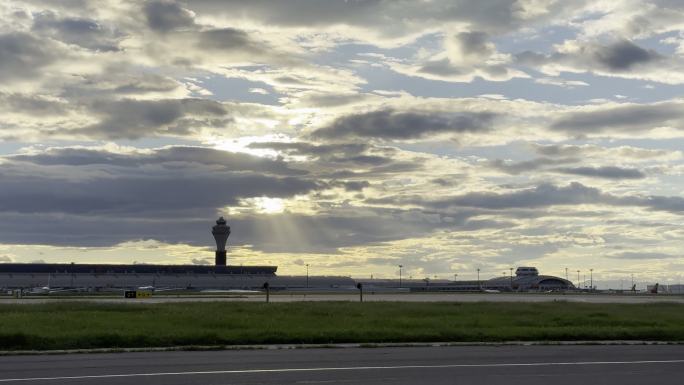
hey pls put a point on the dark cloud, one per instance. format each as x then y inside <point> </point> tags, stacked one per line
<point>569,150</point>
<point>285,232</point>
<point>134,119</point>
<point>350,186</point>
<point>133,194</point>
<point>444,182</point>
<point>446,69</point>
<point>83,32</point>
<point>23,56</point>
<point>474,43</point>
<point>620,56</point>
<point>623,55</point>
<point>294,13</point>
<point>91,197</point>
<point>557,150</point>
<point>176,156</point>
<point>607,172</point>
<point>145,83</point>
<point>468,55</point>
<point>31,105</point>
<point>631,117</point>
<point>531,58</point>
<point>229,39</point>
<point>165,16</point>
<point>171,180</point>
<point>397,125</point>
<point>443,67</point>
<point>115,81</point>
<point>546,195</point>
<point>391,18</point>
<point>672,204</point>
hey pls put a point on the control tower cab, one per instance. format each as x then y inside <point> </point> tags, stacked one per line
<point>526,272</point>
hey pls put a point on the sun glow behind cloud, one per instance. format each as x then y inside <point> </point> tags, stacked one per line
<point>266,205</point>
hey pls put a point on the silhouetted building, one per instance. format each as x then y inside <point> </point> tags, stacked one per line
<point>220,232</point>
<point>525,279</point>
<point>528,279</point>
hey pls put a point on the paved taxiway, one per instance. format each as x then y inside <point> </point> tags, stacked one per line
<point>369,297</point>
<point>495,365</point>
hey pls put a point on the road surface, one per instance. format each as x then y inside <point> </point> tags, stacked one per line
<point>492,365</point>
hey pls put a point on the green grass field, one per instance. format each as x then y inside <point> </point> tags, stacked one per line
<point>83,325</point>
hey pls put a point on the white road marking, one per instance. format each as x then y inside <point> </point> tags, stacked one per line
<point>325,369</point>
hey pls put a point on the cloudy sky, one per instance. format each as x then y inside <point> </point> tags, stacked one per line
<point>351,135</point>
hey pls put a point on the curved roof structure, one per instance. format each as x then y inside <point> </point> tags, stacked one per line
<point>526,282</point>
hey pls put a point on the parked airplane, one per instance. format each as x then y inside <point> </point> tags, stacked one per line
<point>159,289</point>
<point>490,291</point>
<point>49,290</point>
<point>230,291</point>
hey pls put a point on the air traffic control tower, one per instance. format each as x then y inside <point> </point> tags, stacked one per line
<point>220,231</point>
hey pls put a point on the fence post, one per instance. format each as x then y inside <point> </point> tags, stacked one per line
<point>268,292</point>
<point>360,287</point>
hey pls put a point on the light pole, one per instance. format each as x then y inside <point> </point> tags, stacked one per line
<point>579,283</point>
<point>400,266</point>
<point>455,275</point>
<point>478,279</point>
<point>511,270</point>
<point>566,273</point>
<point>591,279</point>
<point>307,275</point>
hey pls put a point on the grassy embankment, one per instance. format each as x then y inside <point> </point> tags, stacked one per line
<point>83,325</point>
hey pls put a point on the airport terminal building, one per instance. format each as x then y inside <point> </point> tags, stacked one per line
<point>86,277</point>
<point>528,278</point>
<point>525,279</point>
<point>48,277</point>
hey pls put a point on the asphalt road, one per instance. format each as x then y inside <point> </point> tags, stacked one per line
<point>492,365</point>
<point>368,297</point>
